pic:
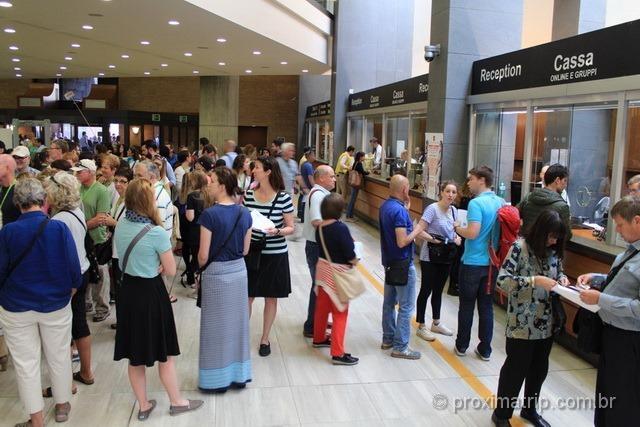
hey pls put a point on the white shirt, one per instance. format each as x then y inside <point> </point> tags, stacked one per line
<point>117,213</point>
<point>78,230</point>
<point>312,211</point>
<point>377,161</point>
<point>165,207</point>
<point>180,173</point>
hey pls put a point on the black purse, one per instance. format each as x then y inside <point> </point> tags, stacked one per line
<point>587,325</point>
<point>558,315</point>
<point>252,259</point>
<point>397,272</point>
<point>444,252</point>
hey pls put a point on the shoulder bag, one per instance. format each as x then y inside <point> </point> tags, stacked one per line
<point>397,272</point>
<point>210,260</point>
<point>349,284</point>
<point>252,259</point>
<point>133,243</point>
<point>587,325</point>
<point>444,252</point>
<point>355,179</point>
<point>26,250</point>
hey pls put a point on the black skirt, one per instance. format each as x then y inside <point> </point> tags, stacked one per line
<point>273,279</point>
<point>146,330</point>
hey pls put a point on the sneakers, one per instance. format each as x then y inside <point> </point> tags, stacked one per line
<point>351,219</point>
<point>345,359</point>
<point>406,354</point>
<point>441,329</point>
<point>322,344</point>
<point>100,317</point>
<point>481,356</point>
<point>385,346</point>
<point>459,353</point>
<point>424,333</point>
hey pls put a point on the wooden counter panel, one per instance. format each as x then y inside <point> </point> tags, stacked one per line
<point>373,195</point>
<point>576,264</point>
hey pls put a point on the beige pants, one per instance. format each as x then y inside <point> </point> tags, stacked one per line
<point>343,187</point>
<point>27,334</point>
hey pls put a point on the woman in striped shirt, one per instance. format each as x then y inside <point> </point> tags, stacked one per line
<point>269,279</point>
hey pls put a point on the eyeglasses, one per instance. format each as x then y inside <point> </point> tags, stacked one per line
<point>55,148</point>
<point>121,181</point>
<point>20,158</point>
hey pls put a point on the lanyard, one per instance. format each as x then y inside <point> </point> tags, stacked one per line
<point>7,193</point>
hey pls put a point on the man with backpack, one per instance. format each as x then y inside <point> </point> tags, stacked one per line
<point>477,277</point>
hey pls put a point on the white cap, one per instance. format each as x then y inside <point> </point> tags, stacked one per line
<point>20,151</point>
<point>85,164</point>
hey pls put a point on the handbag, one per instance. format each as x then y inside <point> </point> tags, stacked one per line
<point>355,179</point>
<point>397,272</point>
<point>349,284</point>
<point>210,260</point>
<point>587,325</point>
<point>444,252</point>
<point>252,259</point>
<point>104,251</point>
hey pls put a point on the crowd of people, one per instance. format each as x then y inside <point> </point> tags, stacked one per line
<point>89,213</point>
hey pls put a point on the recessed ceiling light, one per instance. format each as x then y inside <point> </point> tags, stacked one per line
<point>248,71</point>
<point>58,75</point>
<point>5,4</point>
<point>75,45</point>
<point>221,40</point>
<point>97,15</point>
<point>14,48</point>
<point>257,52</point>
<point>283,62</point>
<point>17,68</point>
<point>15,59</point>
<point>144,42</point>
<point>18,75</point>
<point>9,30</point>
<point>172,22</point>
<point>63,67</point>
<point>146,73</point>
<point>164,65</point>
<point>112,66</point>
<point>305,71</point>
<point>125,56</point>
<point>188,54</point>
<point>196,72</point>
<point>101,74</point>
<point>222,63</point>
<point>68,58</point>
<point>87,27</point>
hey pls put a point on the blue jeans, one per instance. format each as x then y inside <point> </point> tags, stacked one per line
<point>312,250</point>
<point>473,283</point>
<point>397,331</point>
<point>352,202</point>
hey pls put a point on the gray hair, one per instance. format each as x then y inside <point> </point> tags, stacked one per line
<point>29,192</point>
<point>152,168</point>
<point>63,190</point>
<point>633,180</point>
<point>287,145</point>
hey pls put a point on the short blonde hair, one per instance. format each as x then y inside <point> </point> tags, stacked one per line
<point>110,160</point>
<point>63,191</point>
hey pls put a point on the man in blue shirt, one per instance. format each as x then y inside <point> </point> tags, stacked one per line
<point>474,270</point>
<point>306,171</point>
<point>396,241</point>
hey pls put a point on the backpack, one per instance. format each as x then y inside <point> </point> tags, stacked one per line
<point>505,231</point>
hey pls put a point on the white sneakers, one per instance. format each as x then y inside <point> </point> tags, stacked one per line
<point>425,334</point>
<point>441,329</point>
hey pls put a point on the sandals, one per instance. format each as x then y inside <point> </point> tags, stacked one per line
<point>78,377</point>
<point>144,415</point>
<point>48,392</point>
<point>62,412</point>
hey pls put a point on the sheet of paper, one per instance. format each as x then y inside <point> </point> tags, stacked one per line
<point>573,295</point>
<point>260,222</point>
<point>462,217</point>
<point>359,249</point>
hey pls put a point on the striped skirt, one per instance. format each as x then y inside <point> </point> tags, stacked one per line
<point>224,327</point>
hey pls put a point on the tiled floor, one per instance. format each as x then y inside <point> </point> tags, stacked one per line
<point>297,385</point>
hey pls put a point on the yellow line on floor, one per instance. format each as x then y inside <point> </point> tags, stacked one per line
<point>447,354</point>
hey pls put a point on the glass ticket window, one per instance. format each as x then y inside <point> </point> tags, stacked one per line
<point>356,128</point>
<point>373,128</point>
<point>419,148</point>
<point>397,152</point>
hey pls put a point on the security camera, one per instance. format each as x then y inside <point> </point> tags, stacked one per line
<point>431,51</point>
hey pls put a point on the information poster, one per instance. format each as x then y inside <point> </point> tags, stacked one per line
<point>434,164</point>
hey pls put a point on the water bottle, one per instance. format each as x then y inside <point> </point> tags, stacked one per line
<point>502,190</point>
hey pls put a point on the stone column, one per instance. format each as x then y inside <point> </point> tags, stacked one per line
<point>573,17</point>
<point>465,35</point>
<point>219,98</point>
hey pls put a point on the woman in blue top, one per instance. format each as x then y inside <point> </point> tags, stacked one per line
<point>39,271</point>
<point>225,235</point>
<point>438,220</point>
<point>146,331</point>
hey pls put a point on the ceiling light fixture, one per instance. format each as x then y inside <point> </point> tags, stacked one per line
<point>17,68</point>
<point>221,40</point>
<point>14,48</point>
<point>68,58</point>
<point>188,54</point>
<point>248,71</point>
<point>144,42</point>
<point>101,74</point>
<point>58,75</point>
<point>18,75</point>
<point>63,67</point>
<point>283,62</point>
<point>196,72</point>
<point>222,64</point>
<point>164,65</point>
<point>173,22</point>
<point>146,73</point>
<point>125,56</point>
<point>305,71</point>
<point>257,52</point>
<point>15,59</point>
<point>9,30</point>
<point>75,45</point>
<point>5,4</point>
<point>112,66</point>
<point>87,27</point>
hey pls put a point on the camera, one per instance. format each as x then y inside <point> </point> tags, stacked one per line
<point>431,52</point>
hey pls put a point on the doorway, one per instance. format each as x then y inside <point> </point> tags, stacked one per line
<point>254,135</point>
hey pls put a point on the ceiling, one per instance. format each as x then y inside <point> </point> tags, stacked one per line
<point>45,31</point>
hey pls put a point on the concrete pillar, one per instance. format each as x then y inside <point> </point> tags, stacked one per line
<point>461,29</point>
<point>219,98</point>
<point>573,17</point>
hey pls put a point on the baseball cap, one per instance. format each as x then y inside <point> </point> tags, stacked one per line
<point>20,151</point>
<point>85,164</point>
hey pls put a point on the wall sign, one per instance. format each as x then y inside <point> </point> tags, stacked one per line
<point>319,110</point>
<point>182,119</point>
<point>407,91</point>
<point>601,54</point>
<point>155,117</point>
